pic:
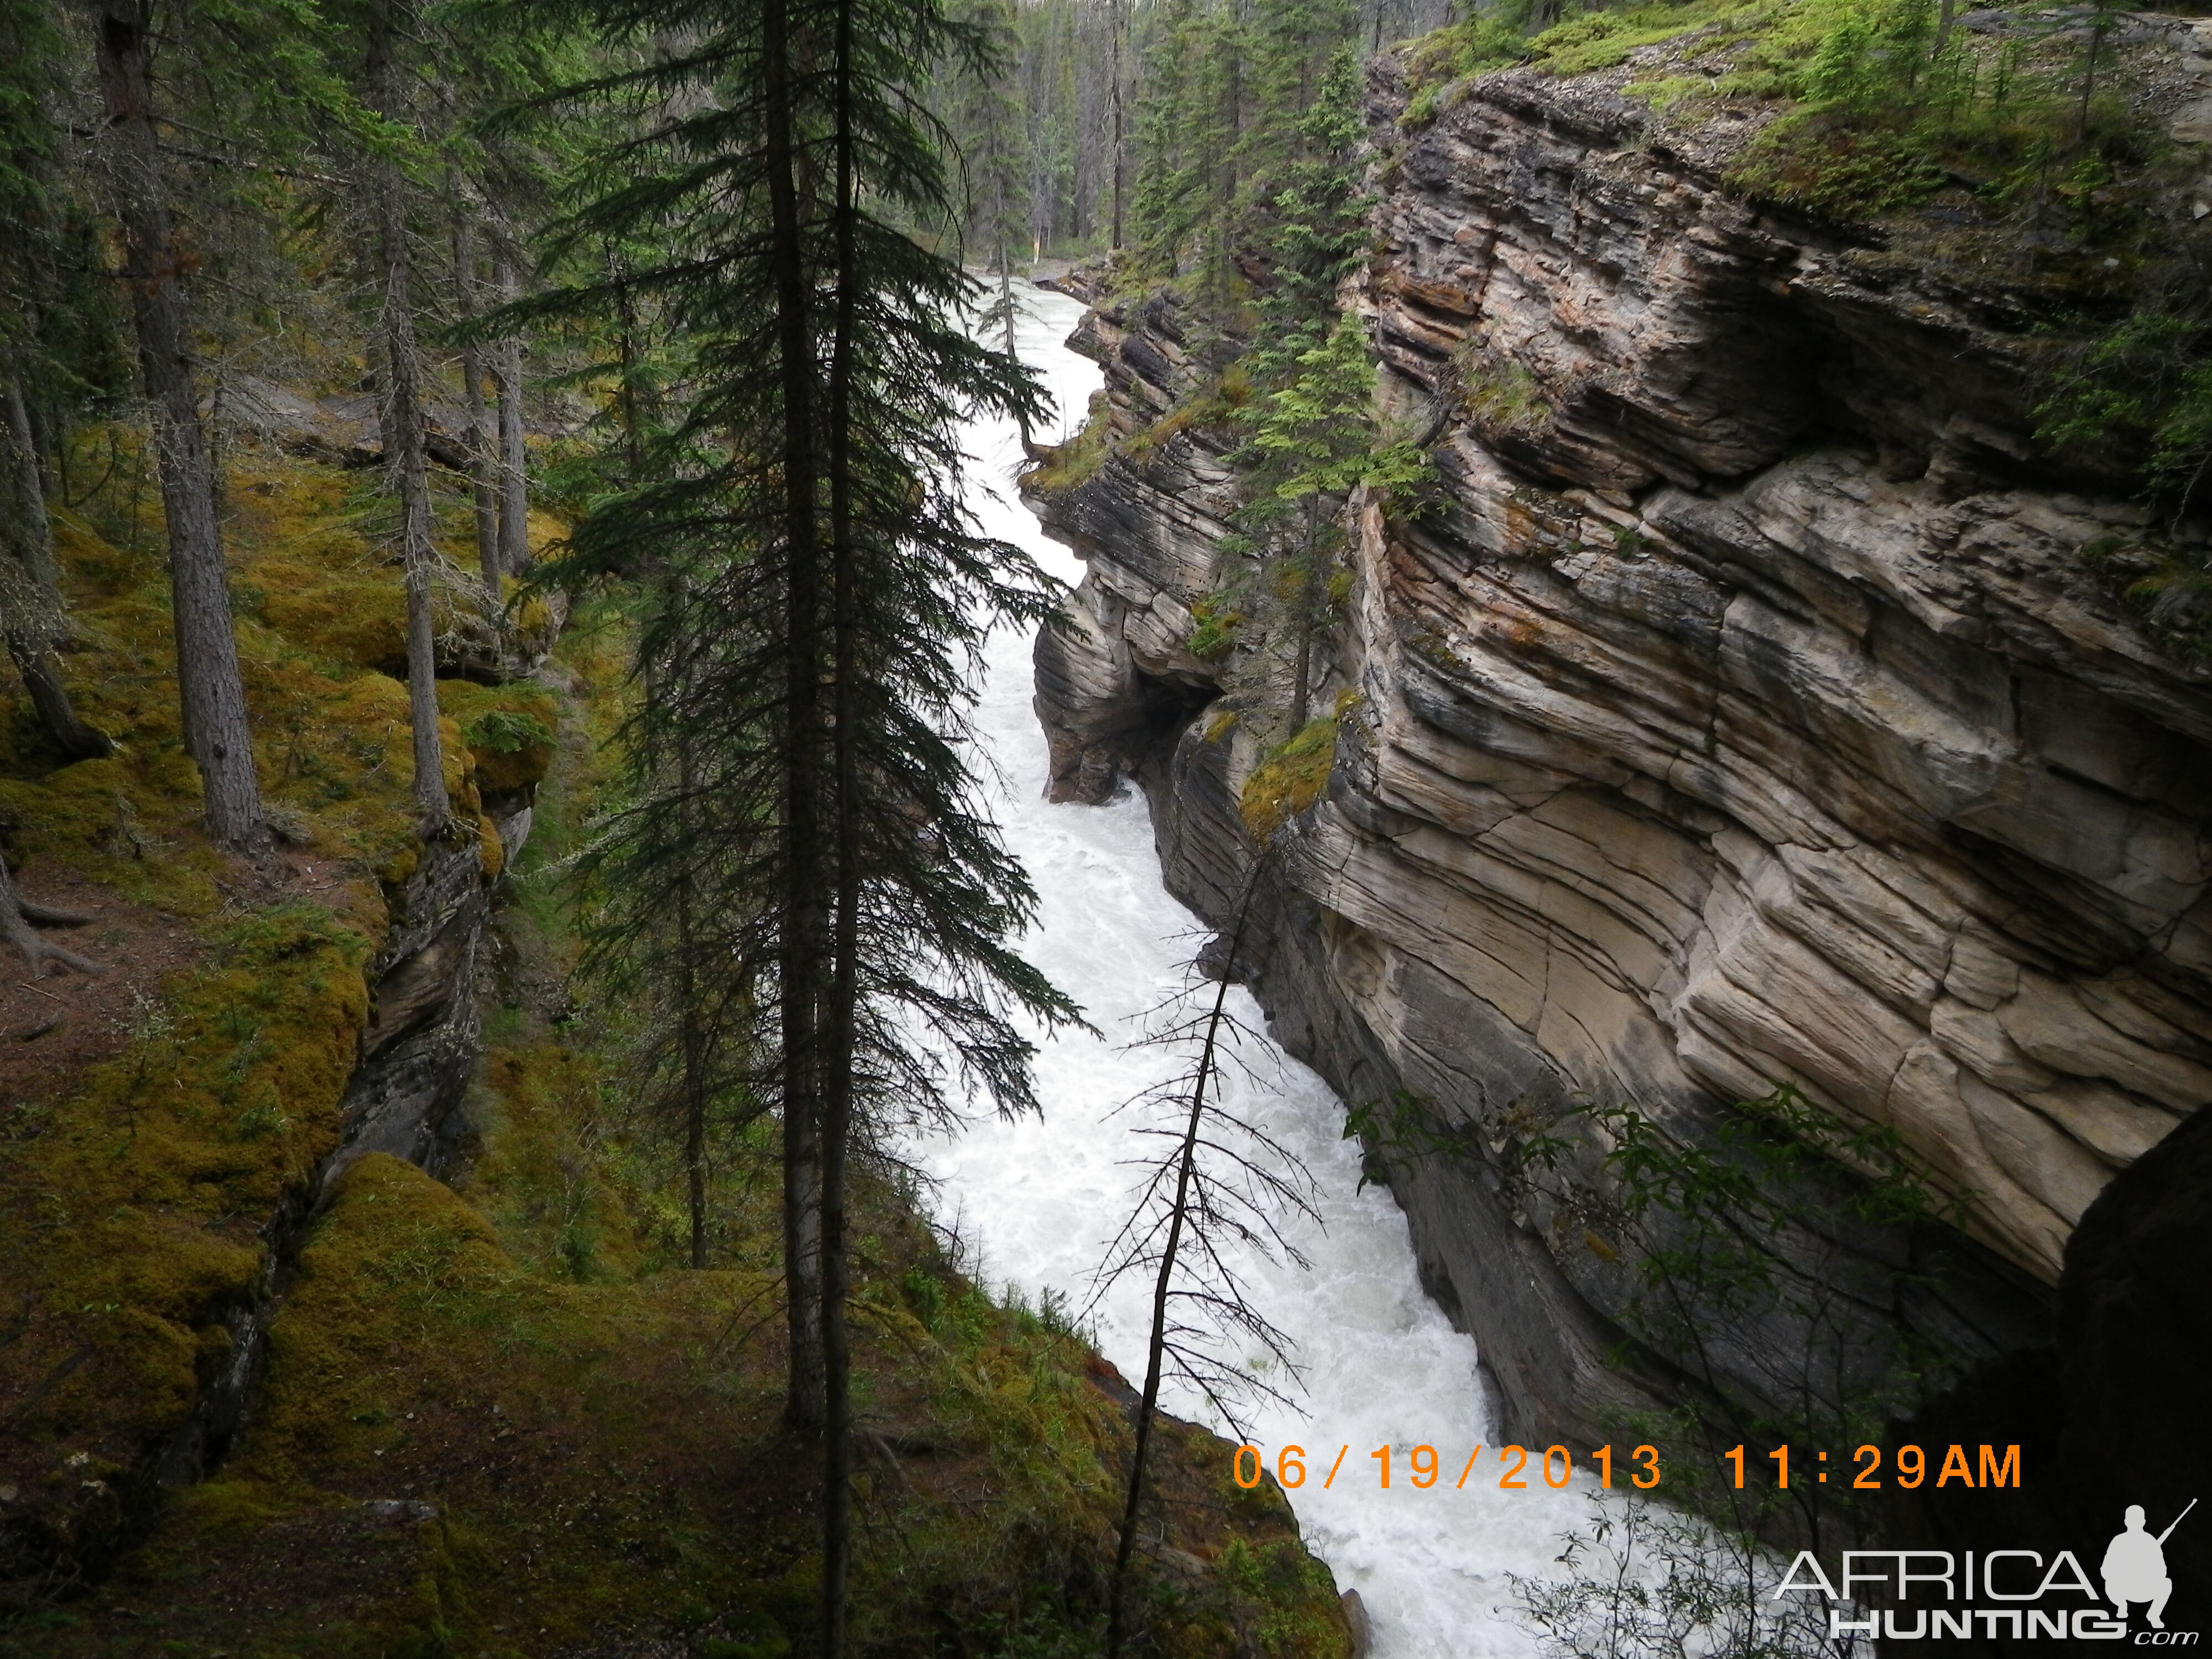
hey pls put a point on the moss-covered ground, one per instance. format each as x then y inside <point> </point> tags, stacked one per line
<point>148,1137</point>
<point>497,1417</point>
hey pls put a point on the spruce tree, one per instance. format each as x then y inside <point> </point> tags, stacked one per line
<point>212,694</point>
<point>835,591</point>
<point>1311,437</point>
<point>32,617</point>
<point>389,24</point>
<point>483,499</point>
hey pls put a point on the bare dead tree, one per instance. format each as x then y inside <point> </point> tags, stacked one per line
<point>1221,1186</point>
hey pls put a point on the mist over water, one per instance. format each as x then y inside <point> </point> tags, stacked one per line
<point>1040,1198</point>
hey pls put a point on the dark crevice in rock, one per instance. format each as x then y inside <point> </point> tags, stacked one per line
<point>405,1098</point>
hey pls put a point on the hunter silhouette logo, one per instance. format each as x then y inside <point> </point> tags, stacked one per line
<point>2135,1566</point>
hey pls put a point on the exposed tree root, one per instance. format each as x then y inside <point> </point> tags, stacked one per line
<point>17,915</point>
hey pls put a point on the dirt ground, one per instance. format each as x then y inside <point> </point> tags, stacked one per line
<point>52,1028</point>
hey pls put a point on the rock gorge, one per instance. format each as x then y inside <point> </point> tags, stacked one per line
<point>1744,712</point>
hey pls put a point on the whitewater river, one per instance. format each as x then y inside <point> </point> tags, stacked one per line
<point>1040,1199</point>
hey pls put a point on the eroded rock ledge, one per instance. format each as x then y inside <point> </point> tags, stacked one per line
<point>1749,714</point>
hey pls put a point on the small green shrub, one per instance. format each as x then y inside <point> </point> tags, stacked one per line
<point>1500,394</point>
<point>1215,636</point>
<point>504,732</point>
<point>1068,464</point>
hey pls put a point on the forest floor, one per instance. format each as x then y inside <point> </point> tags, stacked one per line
<point>497,1417</point>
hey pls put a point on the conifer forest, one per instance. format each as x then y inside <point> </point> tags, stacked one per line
<point>1064,828</point>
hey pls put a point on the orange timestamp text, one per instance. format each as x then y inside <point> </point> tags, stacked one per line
<point>1994,1467</point>
<point>1519,1466</point>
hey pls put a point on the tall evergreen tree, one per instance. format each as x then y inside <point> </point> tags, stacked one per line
<point>154,272</point>
<point>835,590</point>
<point>389,24</point>
<point>32,622</point>
<point>482,493</point>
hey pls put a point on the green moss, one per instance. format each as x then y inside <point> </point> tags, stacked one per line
<point>130,1218</point>
<point>1485,41</point>
<point>607,1458</point>
<point>1068,464</point>
<point>510,731</point>
<point>1601,39</point>
<point>1217,621</point>
<point>1212,406</point>
<point>320,616</point>
<point>567,1212</point>
<point>132,1201</point>
<point>1290,781</point>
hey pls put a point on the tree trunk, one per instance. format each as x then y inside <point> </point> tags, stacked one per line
<point>837,1103</point>
<point>1114,71</point>
<point>804,1403</point>
<point>1301,686</point>
<point>691,1035</point>
<point>480,464</point>
<point>695,1131</point>
<point>2100,25</point>
<point>37,543</point>
<point>802,920</point>
<point>40,666</point>
<point>507,381</point>
<point>31,639</point>
<point>403,453</point>
<point>212,695</point>
<point>626,346</point>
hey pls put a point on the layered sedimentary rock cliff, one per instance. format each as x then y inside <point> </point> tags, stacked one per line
<point>1748,715</point>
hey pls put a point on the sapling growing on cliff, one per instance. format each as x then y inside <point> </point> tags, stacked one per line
<point>1311,437</point>
<point>1219,1182</point>
<point>1313,442</point>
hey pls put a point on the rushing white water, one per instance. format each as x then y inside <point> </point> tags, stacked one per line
<point>1040,1198</point>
